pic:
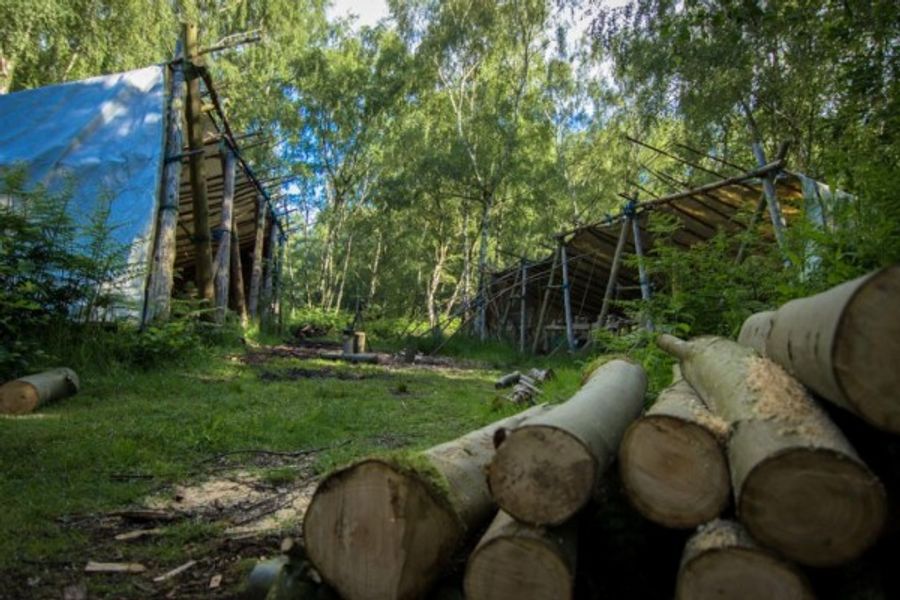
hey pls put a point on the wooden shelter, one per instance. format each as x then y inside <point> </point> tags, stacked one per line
<point>573,290</point>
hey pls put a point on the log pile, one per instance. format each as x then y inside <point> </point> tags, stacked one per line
<point>389,527</point>
<point>526,386</point>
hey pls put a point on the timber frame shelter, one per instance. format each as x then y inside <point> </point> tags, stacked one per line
<point>573,290</point>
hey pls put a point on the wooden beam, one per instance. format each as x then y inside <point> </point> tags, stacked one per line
<point>567,296</point>
<point>614,271</point>
<point>257,265</point>
<point>204,269</point>
<point>158,301</point>
<point>523,318</point>
<point>538,330</point>
<point>222,265</point>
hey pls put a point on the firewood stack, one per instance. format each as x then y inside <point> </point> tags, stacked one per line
<point>735,449</point>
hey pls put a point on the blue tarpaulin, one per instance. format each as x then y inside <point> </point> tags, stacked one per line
<point>104,137</point>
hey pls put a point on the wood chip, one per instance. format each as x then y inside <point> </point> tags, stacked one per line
<point>109,567</point>
<point>175,571</point>
<point>215,581</point>
<point>134,535</point>
<point>76,591</point>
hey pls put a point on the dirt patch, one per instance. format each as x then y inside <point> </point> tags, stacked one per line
<point>323,373</point>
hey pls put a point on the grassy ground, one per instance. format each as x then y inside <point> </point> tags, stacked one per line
<point>132,433</point>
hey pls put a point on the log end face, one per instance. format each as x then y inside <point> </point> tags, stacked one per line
<point>815,506</point>
<point>542,475</point>
<point>674,472</point>
<point>515,567</point>
<point>866,350</point>
<point>18,398</point>
<point>374,531</point>
<point>740,574</point>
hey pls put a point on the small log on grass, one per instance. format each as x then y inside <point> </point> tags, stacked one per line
<point>672,460</point>
<point>386,528</point>
<point>514,561</point>
<point>844,344</point>
<point>547,469</point>
<point>507,380</point>
<point>26,394</point>
<point>721,560</point>
<point>799,486</point>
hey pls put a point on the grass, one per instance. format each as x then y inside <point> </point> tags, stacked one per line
<point>161,425</point>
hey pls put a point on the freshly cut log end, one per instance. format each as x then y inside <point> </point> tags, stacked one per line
<point>674,471</point>
<point>722,561</point>
<point>542,474</point>
<point>813,504</point>
<point>376,531</point>
<point>24,395</point>
<point>515,561</point>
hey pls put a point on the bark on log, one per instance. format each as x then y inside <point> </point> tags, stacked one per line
<point>844,344</point>
<point>547,469</point>
<point>386,529</point>
<point>721,560</point>
<point>799,486</point>
<point>672,460</point>
<point>222,262</point>
<point>514,561</point>
<point>507,380</point>
<point>25,394</point>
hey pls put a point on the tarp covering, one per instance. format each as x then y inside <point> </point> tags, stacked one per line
<point>104,137</point>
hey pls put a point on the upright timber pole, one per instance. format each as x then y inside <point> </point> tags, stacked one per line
<point>265,310</point>
<point>257,265</point>
<point>223,235</point>
<point>204,267</point>
<point>523,319</point>
<point>238,300</point>
<point>614,269</point>
<point>567,294</point>
<point>768,180</point>
<point>538,329</point>
<point>158,302</point>
<point>639,251</point>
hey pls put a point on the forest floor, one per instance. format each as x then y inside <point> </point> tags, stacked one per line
<point>211,462</point>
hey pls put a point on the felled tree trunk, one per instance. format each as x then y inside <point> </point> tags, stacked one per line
<point>799,486</point>
<point>844,344</point>
<point>721,560</point>
<point>547,469</point>
<point>672,460</point>
<point>26,394</point>
<point>385,528</point>
<point>514,561</point>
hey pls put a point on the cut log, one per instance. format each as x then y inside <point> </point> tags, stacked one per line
<point>756,329</point>
<point>507,380</point>
<point>672,460</point>
<point>26,394</point>
<point>721,560</point>
<point>547,469</point>
<point>541,375</point>
<point>844,344</point>
<point>799,486</point>
<point>514,561</point>
<point>386,528</point>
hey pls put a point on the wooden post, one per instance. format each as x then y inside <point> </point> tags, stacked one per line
<point>642,269</point>
<point>567,295</point>
<point>522,306</point>
<point>257,266</point>
<point>204,268</point>
<point>223,233</point>
<point>278,291</point>
<point>538,333</point>
<point>269,274</point>
<point>614,270</point>
<point>159,288</point>
<point>501,324</point>
<point>771,197</point>
<point>238,301</point>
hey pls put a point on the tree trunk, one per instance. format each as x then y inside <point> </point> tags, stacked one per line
<point>434,283</point>
<point>373,282</point>
<point>799,486</point>
<point>159,288</point>
<point>482,268</point>
<point>26,394</point>
<point>239,304</point>
<point>514,561</point>
<point>721,560</point>
<point>222,264</point>
<point>385,528</point>
<point>340,294</point>
<point>257,266</point>
<point>672,460</point>
<point>843,343</point>
<point>547,469</point>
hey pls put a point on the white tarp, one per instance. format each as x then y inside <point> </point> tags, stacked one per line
<point>103,136</point>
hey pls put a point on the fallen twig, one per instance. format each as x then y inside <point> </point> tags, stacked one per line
<point>109,567</point>
<point>175,571</point>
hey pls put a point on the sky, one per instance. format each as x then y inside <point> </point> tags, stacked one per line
<point>368,12</point>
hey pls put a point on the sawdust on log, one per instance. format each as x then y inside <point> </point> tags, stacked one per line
<point>782,399</point>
